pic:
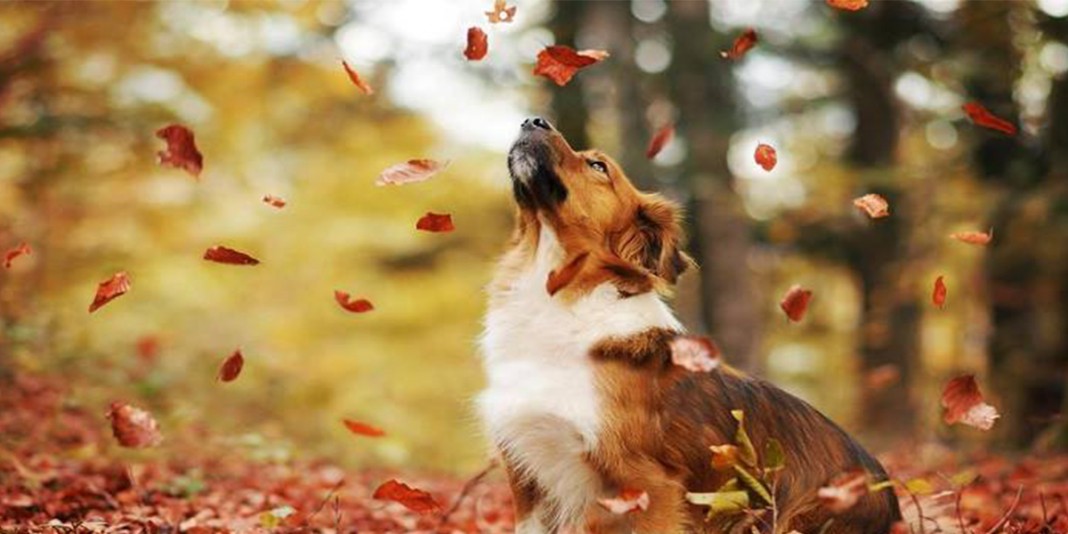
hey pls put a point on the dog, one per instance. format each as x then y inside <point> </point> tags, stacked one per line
<point>582,399</point>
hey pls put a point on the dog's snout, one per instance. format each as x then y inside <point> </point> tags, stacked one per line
<point>536,122</point>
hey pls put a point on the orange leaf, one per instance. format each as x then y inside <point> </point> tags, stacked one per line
<point>354,306</point>
<point>501,12</point>
<point>221,254</point>
<point>938,297</point>
<point>742,44</point>
<point>560,278</point>
<point>982,117</point>
<point>231,367</point>
<point>843,492</point>
<point>660,140</point>
<point>765,156</point>
<point>20,250</point>
<point>974,238</point>
<point>274,202</point>
<point>110,289</point>
<point>874,205</point>
<point>695,353</point>
<point>363,429</point>
<point>410,172</point>
<point>559,63</point>
<point>629,501</point>
<point>181,151</point>
<point>477,44</point>
<point>132,426</point>
<point>963,403</point>
<point>848,5</point>
<point>724,456</point>
<point>413,499</point>
<point>356,80</point>
<point>435,222</point>
<point>795,303</point>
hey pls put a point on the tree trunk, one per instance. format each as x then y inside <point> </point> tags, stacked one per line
<point>568,103</point>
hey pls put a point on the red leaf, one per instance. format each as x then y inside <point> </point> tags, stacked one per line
<point>660,140</point>
<point>413,499</point>
<point>132,426</point>
<point>742,44</point>
<point>629,501</point>
<point>181,151</point>
<point>500,13</point>
<point>974,238</point>
<point>231,367</point>
<point>560,278</point>
<point>363,429</point>
<point>695,353</point>
<point>844,491</point>
<point>848,5</point>
<point>410,172</point>
<point>110,289</point>
<point>938,297</point>
<point>964,404</point>
<point>354,306</point>
<point>795,303</point>
<point>435,222</point>
<point>274,202</point>
<point>559,63</point>
<point>20,250</point>
<point>874,205</point>
<point>765,156</point>
<point>477,44</point>
<point>221,254</point>
<point>356,80</point>
<point>982,117</point>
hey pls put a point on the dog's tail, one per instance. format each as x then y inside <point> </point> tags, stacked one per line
<point>931,514</point>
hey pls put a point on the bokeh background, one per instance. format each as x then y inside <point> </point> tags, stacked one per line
<point>854,102</point>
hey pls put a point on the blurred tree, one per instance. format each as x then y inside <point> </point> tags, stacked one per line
<point>568,102</point>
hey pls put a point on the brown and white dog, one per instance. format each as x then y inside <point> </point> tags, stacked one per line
<point>583,399</point>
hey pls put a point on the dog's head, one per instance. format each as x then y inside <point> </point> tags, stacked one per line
<point>609,230</point>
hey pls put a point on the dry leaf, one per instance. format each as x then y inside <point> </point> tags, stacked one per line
<point>477,44</point>
<point>982,117</point>
<point>133,427</point>
<point>874,205</point>
<point>356,80</point>
<point>231,367</point>
<point>964,403</point>
<point>629,501</point>
<point>354,306</point>
<point>742,44</point>
<point>695,353</point>
<point>974,238</point>
<point>413,499</point>
<point>221,254</point>
<point>795,303</point>
<point>559,63</point>
<point>274,202</point>
<point>844,491</point>
<point>765,156</point>
<point>181,151</point>
<point>410,172</point>
<point>435,222</point>
<point>938,297</point>
<point>660,140</point>
<point>110,289</point>
<point>848,5</point>
<point>20,250</point>
<point>363,429</point>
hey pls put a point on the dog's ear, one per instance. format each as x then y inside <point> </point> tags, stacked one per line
<point>653,239</point>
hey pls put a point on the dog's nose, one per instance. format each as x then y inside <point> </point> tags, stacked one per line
<point>536,122</point>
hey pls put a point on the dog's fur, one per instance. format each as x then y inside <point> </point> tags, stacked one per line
<point>583,399</point>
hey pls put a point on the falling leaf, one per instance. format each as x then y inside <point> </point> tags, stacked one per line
<point>133,427</point>
<point>501,12</point>
<point>363,429</point>
<point>695,353</point>
<point>20,250</point>
<point>356,80</point>
<point>874,205</point>
<point>724,456</point>
<point>354,306</point>
<point>559,63</point>
<point>660,140</point>
<point>410,172</point>
<point>559,278</point>
<point>181,151</point>
<point>938,297</point>
<point>413,499</point>
<point>795,303</point>
<point>848,5</point>
<point>274,202</point>
<point>110,289</point>
<point>435,222</point>
<point>765,156</point>
<point>982,117</point>
<point>742,44</point>
<point>629,501</point>
<point>964,404</point>
<point>973,238</point>
<point>221,254</point>
<point>844,491</point>
<point>231,367</point>
<point>477,44</point>
<point>881,377</point>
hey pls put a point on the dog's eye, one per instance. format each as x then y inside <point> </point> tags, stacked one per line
<point>599,166</point>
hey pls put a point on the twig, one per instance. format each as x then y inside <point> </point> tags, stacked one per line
<point>1005,518</point>
<point>325,500</point>
<point>468,486</point>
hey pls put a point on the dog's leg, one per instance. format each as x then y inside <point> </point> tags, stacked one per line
<point>525,496</point>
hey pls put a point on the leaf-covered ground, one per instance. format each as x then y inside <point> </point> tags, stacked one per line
<point>48,484</point>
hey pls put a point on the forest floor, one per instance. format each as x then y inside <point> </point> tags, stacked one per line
<point>47,485</point>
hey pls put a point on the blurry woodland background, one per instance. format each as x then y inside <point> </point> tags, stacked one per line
<point>854,102</point>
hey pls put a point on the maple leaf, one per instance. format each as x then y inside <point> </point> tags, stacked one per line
<point>435,222</point>
<point>848,5</point>
<point>274,202</point>
<point>695,353</point>
<point>363,429</point>
<point>981,116</point>
<point>410,172</point>
<point>660,140</point>
<point>11,254</point>
<point>181,151</point>
<point>354,306</point>
<point>742,44</point>
<point>501,12</point>
<point>559,63</point>
<point>413,499</point>
<point>938,296</point>
<point>231,367</point>
<point>795,303</point>
<point>628,501</point>
<point>964,403</point>
<point>765,156</point>
<point>874,205</point>
<point>110,289</point>
<point>843,492</point>
<point>133,427</point>
<point>221,254</point>
<point>973,238</point>
<point>477,44</point>
<point>356,80</point>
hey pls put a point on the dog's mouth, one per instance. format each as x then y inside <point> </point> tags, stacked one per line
<point>531,163</point>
